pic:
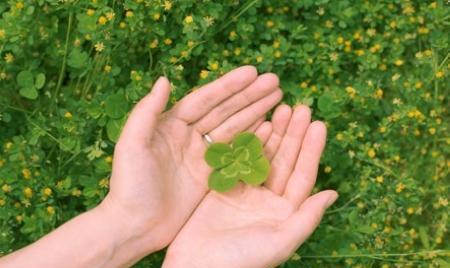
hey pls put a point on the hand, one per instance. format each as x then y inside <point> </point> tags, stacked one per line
<point>261,226</point>
<point>159,174</point>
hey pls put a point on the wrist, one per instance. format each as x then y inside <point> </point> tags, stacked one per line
<point>130,240</point>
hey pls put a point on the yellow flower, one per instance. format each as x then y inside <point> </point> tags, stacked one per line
<point>107,68</point>
<point>90,12</point>
<point>350,91</point>
<point>167,41</point>
<point>19,218</point>
<point>110,15</point>
<point>379,179</point>
<point>204,74</point>
<point>432,131</point>
<point>327,169</point>
<point>339,136</point>
<point>359,52</point>
<point>50,210</point>
<point>167,5</point>
<point>269,24</point>
<point>156,16</point>
<point>259,58</point>
<point>68,115</point>
<point>102,20</point>
<point>277,54</point>
<point>2,33</point>
<point>9,57</point>
<point>28,192</point>
<point>19,5</point>
<point>410,210</point>
<point>379,93</point>
<point>108,159</point>
<point>371,153</point>
<point>423,30</point>
<point>418,85</point>
<point>76,192</point>
<point>47,191</point>
<point>214,66</point>
<point>188,19</point>
<point>237,51</point>
<point>129,14</point>
<point>103,183</point>
<point>99,46</point>
<point>232,35</point>
<point>399,62</point>
<point>6,188</point>
<point>122,25</point>
<point>439,74</point>
<point>400,187</point>
<point>2,202</point>
<point>26,173</point>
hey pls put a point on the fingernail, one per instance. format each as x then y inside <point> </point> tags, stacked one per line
<point>331,199</point>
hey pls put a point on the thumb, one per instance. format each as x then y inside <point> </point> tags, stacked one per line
<point>300,225</point>
<point>146,112</point>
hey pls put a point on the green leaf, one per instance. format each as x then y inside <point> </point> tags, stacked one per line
<point>114,127</point>
<point>230,171</point>
<point>220,183</point>
<point>259,172</point>
<point>29,93</point>
<point>424,237</point>
<point>25,79</point>
<point>219,155</point>
<point>328,106</point>
<point>249,141</point>
<point>116,106</point>
<point>40,81</point>
<point>77,59</point>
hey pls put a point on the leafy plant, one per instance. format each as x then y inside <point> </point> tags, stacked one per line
<point>242,160</point>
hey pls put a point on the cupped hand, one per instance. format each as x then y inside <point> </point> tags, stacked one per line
<point>261,226</point>
<point>159,174</point>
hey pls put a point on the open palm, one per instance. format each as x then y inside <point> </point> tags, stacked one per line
<point>159,175</point>
<point>261,226</point>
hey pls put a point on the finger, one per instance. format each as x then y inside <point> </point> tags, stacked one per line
<point>280,122</point>
<point>304,176</point>
<point>262,86</point>
<point>301,224</point>
<point>255,125</point>
<point>245,118</point>
<point>263,131</point>
<point>198,103</point>
<point>283,162</point>
<point>146,112</point>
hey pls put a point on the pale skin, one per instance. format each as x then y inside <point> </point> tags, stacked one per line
<point>159,184</point>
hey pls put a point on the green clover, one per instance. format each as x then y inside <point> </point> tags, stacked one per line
<point>243,160</point>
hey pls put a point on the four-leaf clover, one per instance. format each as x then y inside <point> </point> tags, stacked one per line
<point>243,160</point>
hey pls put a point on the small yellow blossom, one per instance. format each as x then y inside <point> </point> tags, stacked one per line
<point>439,74</point>
<point>400,187</point>
<point>350,91</point>
<point>90,12</point>
<point>399,62</point>
<point>26,173</point>
<point>410,210</point>
<point>339,136</point>
<point>188,19</point>
<point>259,59</point>
<point>129,14</point>
<point>76,192</point>
<point>214,66</point>
<point>204,74</point>
<point>103,183</point>
<point>327,169</point>
<point>102,20</point>
<point>9,57</point>
<point>110,15</point>
<point>432,130</point>
<point>19,218</point>
<point>340,40</point>
<point>379,179</point>
<point>28,192</point>
<point>99,46</point>
<point>269,24</point>
<point>20,5</point>
<point>379,93</point>
<point>47,191</point>
<point>423,30</point>
<point>167,5</point>
<point>6,188</point>
<point>107,68</point>
<point>167,41</point>
<point>371,153</point>
<point>277,54</point>
<point>122,25</point>
<point>50,210</point>
<point>156,16</point>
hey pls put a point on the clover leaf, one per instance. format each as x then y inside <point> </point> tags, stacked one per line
<point>242,160</point>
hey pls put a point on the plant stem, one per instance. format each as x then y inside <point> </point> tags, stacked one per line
<point>66,48</point>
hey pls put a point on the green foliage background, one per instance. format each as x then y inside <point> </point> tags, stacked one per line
<point>375,71</point>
